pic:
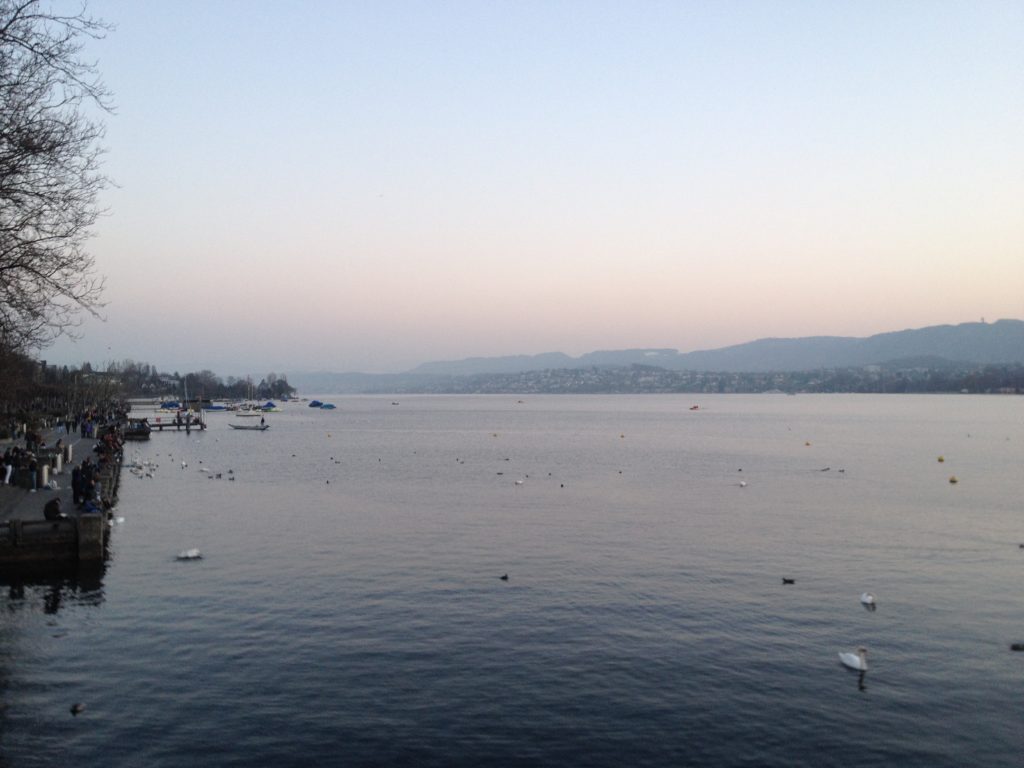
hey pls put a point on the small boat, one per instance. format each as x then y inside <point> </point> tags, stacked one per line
<point>137,429</point>
<point>190,554</point>
<point>257,427</point>
<point>315,404</point>
<point>327,407</point>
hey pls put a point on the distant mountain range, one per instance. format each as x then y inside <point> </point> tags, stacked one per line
<point>980,343</point>
<point>936,346</point>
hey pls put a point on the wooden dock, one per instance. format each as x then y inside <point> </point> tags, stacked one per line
<point>187,425</point>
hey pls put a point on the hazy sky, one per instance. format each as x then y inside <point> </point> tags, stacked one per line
<point>339,185</point>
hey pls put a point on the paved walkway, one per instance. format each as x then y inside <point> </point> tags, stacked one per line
<point>19,504</point>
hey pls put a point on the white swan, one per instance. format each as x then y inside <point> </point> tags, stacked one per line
<point>867,598</point>
<point>858,660</point>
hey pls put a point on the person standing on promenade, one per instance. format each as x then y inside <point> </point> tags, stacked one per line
<point>87,487</point>
<point>76,484</point>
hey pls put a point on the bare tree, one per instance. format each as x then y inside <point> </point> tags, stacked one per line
<point>49,171</point>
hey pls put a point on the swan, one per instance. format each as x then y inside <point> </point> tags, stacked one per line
<point>867,598</point>
<point>858,660</point>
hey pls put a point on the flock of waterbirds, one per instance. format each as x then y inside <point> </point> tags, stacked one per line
<point>142,469</point>
<point>856,660</point>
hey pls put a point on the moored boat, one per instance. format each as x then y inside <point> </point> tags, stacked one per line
<point>137,429</point>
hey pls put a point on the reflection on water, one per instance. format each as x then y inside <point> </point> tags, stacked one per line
<point>53,586</point>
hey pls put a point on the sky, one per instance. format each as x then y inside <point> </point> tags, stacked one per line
<point>364,186</point>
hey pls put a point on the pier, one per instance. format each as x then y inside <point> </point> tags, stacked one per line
<point>177,423</point>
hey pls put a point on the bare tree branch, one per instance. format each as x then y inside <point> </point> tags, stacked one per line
<point>50,176</point>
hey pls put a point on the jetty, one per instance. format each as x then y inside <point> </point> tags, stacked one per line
<point>178,422</point>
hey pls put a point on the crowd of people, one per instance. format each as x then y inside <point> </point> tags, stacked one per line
<point>21,466</point>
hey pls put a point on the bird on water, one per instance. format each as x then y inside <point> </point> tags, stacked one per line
<point>858,660</point>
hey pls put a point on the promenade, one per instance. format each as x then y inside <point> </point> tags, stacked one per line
<point>20,504</point>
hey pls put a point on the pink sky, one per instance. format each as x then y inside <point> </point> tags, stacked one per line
<point>368,186</point>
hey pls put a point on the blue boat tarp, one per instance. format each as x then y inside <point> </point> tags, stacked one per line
<point>269,404</point>
<point>171,405</point>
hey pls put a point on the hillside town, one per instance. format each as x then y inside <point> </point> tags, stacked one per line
<point>639,379</point>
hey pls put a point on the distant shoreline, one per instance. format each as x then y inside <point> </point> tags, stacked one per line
<point>635,379</point>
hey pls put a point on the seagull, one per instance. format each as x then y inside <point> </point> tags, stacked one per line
<point>867,598</point>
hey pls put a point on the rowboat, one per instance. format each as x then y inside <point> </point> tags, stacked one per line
<point>258,427</point>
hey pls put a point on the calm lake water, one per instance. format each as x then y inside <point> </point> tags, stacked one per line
<point>348,608</point>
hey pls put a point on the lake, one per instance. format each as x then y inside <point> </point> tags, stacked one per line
<point>348,608</point>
